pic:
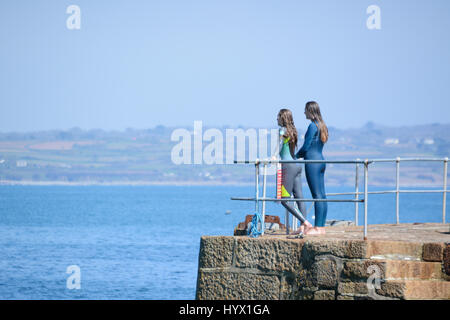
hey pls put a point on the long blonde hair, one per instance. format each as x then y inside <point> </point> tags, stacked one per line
<point>312,111</point>
<point>287,121</point>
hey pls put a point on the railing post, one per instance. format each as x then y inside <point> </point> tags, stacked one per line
<point>366,176</point>
<point>256,186</point>
<point>356,192</point>
<point>294,219</point>
<point>287,222</point>
<point>444,200</point>
<point>397,184</point>
<point>264,196</point>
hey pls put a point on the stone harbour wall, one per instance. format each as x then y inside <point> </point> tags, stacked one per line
<point>233,267</point>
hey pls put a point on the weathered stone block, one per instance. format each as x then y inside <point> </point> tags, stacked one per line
<point>392,269</point>
<point>324,295</point>
<point>236,285</point>
<point>216,252</point>
<point>325,270</point>
<point>340,248</point>
<point>394,289</point>
<point>398,248</point>
<point>446,259</point>
<point>416,289</point>
<point>352,288</point>
<point>424,290</point>
<point>268,254</point>
<point>306,293</point>
<point>433,252</point>
<point>359,270</point>
<point>345,298</point>
<point>404,269</point>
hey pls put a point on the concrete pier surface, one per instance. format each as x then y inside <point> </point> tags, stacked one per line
<point>405,261</point>
<point>413,232</point>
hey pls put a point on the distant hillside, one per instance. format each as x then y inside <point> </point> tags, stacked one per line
<point>144,156</point>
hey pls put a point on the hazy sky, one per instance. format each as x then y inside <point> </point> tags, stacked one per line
<point>235,62</point>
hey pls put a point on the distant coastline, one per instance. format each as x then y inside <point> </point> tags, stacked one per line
<point>190,183</point>
<point>123,183</point>
<point>143,157</point>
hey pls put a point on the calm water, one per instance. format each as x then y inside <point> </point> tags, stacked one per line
<point>136,242</point>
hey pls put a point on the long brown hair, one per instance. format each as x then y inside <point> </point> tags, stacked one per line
<point>286,120</point>
<point>312,111</point>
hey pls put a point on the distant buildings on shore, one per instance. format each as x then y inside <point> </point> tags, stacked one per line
<point>394,141</point>
<point>391,141</point>
<point>21,163</point>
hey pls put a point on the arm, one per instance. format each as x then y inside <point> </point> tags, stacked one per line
<point>312,130</point>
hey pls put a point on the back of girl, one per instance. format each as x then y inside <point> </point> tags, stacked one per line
<point>315,138</point>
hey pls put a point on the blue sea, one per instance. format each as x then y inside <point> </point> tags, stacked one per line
<point>138,242</point>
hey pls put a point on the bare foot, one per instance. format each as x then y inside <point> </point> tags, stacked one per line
<point>315,231</point>
<point>307,227</point>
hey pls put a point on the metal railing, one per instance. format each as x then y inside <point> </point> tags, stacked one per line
<point>356,194</point>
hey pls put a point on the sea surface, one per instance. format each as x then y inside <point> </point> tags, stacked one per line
<point>139,242</point>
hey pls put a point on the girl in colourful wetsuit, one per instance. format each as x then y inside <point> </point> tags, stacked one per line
<point>291,183</point>
<point>316,136</point>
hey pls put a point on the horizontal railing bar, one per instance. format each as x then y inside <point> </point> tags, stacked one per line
<point>408,159</point>
<point>354,193</point>
<point>295,199</point>
<point>299,161</point>
<point>337,161</point>
<point>421,191</point>
<point>385,191</point>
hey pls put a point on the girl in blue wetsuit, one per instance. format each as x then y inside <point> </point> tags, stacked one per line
<point>316,136</point>
<point>291,183</point>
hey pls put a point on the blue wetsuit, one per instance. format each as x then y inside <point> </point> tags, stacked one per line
<point>312,150</point>
<point>291,183</point>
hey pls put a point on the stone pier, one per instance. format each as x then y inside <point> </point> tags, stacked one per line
<point>406,261</point>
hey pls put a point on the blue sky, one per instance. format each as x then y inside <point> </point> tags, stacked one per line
<point>236,62</point>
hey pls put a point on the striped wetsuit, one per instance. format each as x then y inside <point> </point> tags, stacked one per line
<point>291,183</point>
